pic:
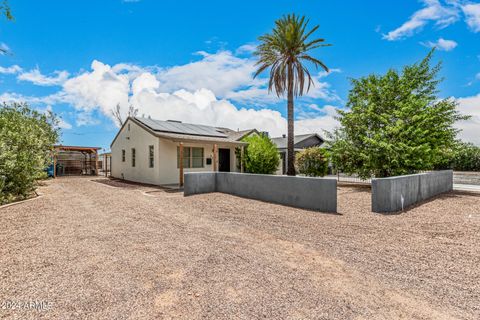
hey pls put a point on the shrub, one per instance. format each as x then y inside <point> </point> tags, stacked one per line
<point>312,162</point>
<point>26,140</point>
<point>261,155</point>
<point>466,157</point>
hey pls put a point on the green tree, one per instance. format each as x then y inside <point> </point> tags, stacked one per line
<point>396,123</point>
<point>313,162</point>
<point>5,11</point>
<point>286,51</point>
<point>466,157</point>
<point>26,141</point>
<point>261,155</point>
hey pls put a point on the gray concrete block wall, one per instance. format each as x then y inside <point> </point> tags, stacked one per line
<point>397,193</point>
<point>199,182</point>
<point>302,192</point>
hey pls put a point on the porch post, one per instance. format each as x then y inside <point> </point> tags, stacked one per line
<point>215,157</point>
<point>54,162</point>
<point>180,165</point>
<point>96,162</point>
<point>105,164</point>
<point>242,152</point>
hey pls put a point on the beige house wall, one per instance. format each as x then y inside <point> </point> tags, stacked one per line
<point>165,170</point>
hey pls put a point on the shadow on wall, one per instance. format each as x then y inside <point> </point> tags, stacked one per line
<point>319,194</point>
<point>395,194</point>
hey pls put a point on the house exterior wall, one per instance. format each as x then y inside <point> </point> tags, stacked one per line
<point>170,173</point>
<point>140,139</point>
<point>165,170</point>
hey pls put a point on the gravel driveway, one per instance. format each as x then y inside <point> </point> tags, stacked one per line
<point>88,250</point>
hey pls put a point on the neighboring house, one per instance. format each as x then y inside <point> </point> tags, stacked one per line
<point>159,152</point>
<point>300,142</point>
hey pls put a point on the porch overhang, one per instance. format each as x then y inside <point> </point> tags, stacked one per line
<point>176,137</point>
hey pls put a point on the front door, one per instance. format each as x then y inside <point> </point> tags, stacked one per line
<point>224,160</point>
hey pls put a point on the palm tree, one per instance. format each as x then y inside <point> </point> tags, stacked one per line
<point>285,51</point>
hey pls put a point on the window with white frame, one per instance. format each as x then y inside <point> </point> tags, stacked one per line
<point>192,157</point>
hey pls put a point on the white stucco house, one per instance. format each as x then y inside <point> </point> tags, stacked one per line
<point>159,152</point>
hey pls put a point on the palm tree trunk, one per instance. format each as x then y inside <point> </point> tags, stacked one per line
<point>290,119</point>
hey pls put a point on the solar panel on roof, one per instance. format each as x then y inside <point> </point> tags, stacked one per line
<point>182,128</point>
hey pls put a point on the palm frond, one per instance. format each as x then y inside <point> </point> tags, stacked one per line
<point>284,50</point>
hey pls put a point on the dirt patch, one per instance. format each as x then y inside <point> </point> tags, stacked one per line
<point>101,252</point>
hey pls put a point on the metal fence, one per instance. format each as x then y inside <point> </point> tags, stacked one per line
<point>343,177</point>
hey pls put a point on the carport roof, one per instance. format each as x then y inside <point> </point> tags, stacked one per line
<point>75,148</point>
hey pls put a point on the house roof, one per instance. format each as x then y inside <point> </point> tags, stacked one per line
<point>182,128</point>
<point>178,131</point>
<point>238,135</point>
<point>281,142</point>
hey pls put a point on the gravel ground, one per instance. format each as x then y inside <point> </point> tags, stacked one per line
<point>120,251</point>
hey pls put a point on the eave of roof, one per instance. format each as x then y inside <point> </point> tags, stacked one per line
<point>74,148</point>
<point>281,142</point>
<point>177,137</point>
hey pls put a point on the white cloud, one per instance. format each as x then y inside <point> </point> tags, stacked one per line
<point>101,88</point>
<point>472,16</point>
<point>442,44</point>
<point>317,124</point>
<point>248,48</point>
<point>4,49</point>
<point>203,91</point>
<point>62,124</point>
<point>10,70</point>
<point>442,15</point>
<point>221,72</point>
<point>85,119</point>
<point>477,76</point>
<point>36,77</point>
<point>52,99</point>
<point>471,127</point>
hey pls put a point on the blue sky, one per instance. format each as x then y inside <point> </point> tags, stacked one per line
<point>192,60</point>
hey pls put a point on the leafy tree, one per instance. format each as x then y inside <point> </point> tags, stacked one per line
<point>5,11</point>
<point>261,155</point>
<point>465,157</point>
<point>313,162</point>
<point>26,140</point>
<point>396,123</point>
<point>286,51</point>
